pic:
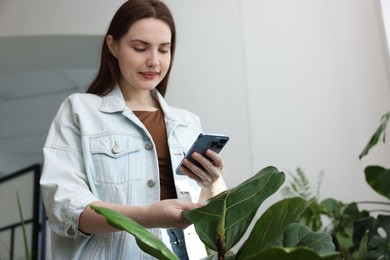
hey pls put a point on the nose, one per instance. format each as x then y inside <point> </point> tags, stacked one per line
<point>153,59</point>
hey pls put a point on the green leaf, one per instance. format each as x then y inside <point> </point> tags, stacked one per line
<point>377,246</point>
<point>361,253</point>
<point>350,214</point>
<point>271,225</point>
<point>332,207</point>
<point>301,253</point>
<point>299,186</point>
<point>297,242</point>
<point>376,136</point>
<point>312,215</point>
<point>318,241</point>
<point>148,242</point>
<point>379,179</point>
<point>226,217</point>
<point>298,235</point>
<point>344,240</point>
<point>345,226</point>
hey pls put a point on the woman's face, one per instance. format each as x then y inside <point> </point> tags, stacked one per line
<point>143,54</point>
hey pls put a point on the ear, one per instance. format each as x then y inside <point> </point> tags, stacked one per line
<point>111,44</point>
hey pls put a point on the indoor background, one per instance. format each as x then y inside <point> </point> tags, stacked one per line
<point>298,83</point>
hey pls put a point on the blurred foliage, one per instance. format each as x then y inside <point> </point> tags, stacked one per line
<point>355,232</point>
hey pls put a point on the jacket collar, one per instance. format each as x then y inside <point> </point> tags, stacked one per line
<point>114,102</point>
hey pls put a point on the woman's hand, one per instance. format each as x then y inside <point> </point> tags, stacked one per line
<point>168,214</point>
<point>161,214</point>
<point>211,171</point>
<point>209,176</point>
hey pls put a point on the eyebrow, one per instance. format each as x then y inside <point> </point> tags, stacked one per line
<point>146,43</point>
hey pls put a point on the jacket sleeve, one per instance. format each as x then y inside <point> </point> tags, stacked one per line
<point>64,186</point>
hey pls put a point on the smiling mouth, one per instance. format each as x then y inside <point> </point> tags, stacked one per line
<point>149,74</point>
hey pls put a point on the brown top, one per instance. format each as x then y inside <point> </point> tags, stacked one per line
<point>155,124</point>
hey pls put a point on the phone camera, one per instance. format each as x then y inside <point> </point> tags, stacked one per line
<point>223,141</point>
<point>213,143</point>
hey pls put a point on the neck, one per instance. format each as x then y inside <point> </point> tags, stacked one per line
<point>139,100</point>
<point>141,107</point>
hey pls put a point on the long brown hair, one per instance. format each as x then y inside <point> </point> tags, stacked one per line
<point>129,13</point>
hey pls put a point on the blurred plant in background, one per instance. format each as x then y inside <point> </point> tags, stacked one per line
<point>357,233</point>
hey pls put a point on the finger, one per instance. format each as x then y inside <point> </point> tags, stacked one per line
<point>190,173</point>
<point>212,171</point>
<point>196,172</point>
<point>216,158</point>
<point>190,206</point>
<point>204,161</point>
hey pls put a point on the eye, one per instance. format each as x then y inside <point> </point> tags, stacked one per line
<point>139,49</point>
<point>163,51</point>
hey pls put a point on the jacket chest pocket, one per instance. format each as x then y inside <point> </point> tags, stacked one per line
<point>116,158</point>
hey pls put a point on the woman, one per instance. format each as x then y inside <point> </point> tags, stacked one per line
<point>117,146</point>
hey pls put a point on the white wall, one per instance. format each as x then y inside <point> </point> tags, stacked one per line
<point>317,86</point>
<point>47,17</point>
<point>299,83</point>
<point>209,76</point>
<point>294,83</point>
<point>385,8</point>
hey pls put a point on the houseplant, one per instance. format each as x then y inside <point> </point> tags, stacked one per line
<point>368,242</point>
<point>225,218</point>
<point>355,232</point>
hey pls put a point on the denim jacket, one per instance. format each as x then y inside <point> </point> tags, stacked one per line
<point>97,149</point>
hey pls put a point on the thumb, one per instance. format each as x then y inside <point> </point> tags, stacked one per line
<point>190,206</point>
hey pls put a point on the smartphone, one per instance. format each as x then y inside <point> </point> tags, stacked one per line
<point>204,141</point>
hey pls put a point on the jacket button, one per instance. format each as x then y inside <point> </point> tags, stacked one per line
<point>148,146</point>
<point>185,196</point>
<point>70,232</point>
<point>151,183</point>
<point>115,149</point>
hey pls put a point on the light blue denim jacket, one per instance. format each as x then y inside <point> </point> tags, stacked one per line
<point>97,149</point>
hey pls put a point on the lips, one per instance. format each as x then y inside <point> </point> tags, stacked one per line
<point>149,74</point>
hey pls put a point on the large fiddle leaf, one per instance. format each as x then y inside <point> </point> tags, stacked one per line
<point>223,221</point>
<point>282,253</point>
<point>301,253</point>
<point>271,225</point>
<point>297,235</point>
<point>297,242</point>
<point>148,242</point>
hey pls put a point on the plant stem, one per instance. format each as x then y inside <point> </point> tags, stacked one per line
<point>221,249</point>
